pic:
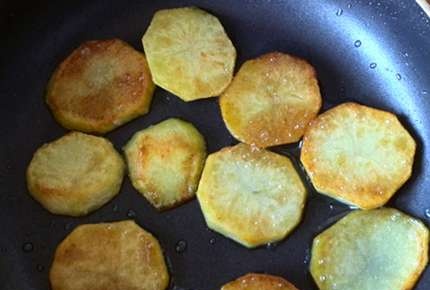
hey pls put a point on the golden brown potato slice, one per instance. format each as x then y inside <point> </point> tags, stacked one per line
<point>100,86</point>
<point>271,100</point>
<point>358,155</point>
<point>109,256</point>
<point>75,174</point>
<point>165,162</point>
<point>254,281</point>
<point>251,195</point>
<point>381,249</point>
<point>189,53</point>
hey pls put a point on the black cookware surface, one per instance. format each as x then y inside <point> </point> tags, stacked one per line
<point>373,52</point>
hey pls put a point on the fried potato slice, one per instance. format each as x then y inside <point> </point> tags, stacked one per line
<point>101,85</point>
<point>189,53</point>
<point>380,249</point>
<point>271,100</point>
<point>76,174</point>
<point>251,195</point>
<point>254,281</point>
<point>165,162</point>
<point>109,256</point>
<point>358,155</point>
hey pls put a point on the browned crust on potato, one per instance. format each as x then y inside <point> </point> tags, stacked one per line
<point>331,178</point>
<point>271,100</point>
<point>101,85</point>
<point>165,162</point>
<point>253,281</point>
<point>109,256</point>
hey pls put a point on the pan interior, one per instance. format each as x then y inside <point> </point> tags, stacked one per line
<point>371,52</point>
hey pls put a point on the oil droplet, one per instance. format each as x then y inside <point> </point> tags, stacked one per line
<point>40,268</point>
<point>181,246</point>
<point>349,5</point>
<point>27,247</point>
<point>394,217</point>
<point>398,76</point>
<point>212,241</point>
<point>322,278</point>
<point>427,212</point>
<point>357,43</point>
<point>271,246</point>
<point>115,208</point>
<point>330,206</point>
<point>424,92</point>
<point>131,213</point>
<point>307,258</point>
<point>373,65</point>
<point>339,12</point>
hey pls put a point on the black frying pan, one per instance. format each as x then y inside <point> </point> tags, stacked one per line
<point>373,52</point>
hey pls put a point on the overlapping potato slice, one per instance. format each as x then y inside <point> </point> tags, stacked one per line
<point>380,249</point>
<point>113,256</point>
<point>75,174</point>
<point>358,155</point>
<point>165,162</point>
<point>254,281</point>
<point>271,100</point>
<point>189,53</point>
<point>100,86</point>
<point>251,195</point>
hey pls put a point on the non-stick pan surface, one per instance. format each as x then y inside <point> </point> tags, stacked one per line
<point>373,52</point>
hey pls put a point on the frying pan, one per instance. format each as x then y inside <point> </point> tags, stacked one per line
<point>373,52</point>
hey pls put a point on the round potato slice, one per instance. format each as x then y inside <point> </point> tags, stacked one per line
<point>254,281</point>
<point>251,195</point>
<point>358,155</point>
<point>114,256</point>
<point>75,174</point>
<point>271,100</point>
<point>100,86</point>
<point>189,53</point>
<point>165,162</point>
<point>380,249</point>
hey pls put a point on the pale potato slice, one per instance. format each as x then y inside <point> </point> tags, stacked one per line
<point>381,249</point>
<point>271,100</point>
<point>251,195</point>
<point>101,85</point>
<point>358,155</point>
<point>109,256</point>
<point>254,281</point>
<point>76,174</point>
<point>165,162</point>
<point>189,53</point>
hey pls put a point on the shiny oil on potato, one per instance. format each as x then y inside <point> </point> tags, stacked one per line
<point>271,100</point>
<point>101,85</point>
<point>189,53</point>
<point>381,249</point>
<point>109,256</point>
<point>165,162</point>
<point>254,281</point>
<point>358,155</point>
<point>76,174</point>
<point>251,195</point>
